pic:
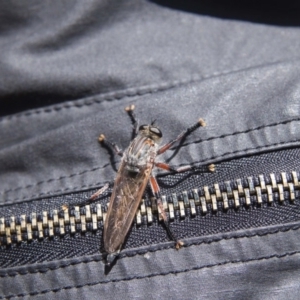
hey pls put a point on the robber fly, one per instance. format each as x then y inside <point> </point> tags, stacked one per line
<point>135,171</point>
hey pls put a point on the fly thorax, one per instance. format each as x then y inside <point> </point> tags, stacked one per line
<point>138,160</point>
<point>134,164</point>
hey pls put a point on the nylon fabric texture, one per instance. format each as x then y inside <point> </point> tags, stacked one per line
<point>67,71</point>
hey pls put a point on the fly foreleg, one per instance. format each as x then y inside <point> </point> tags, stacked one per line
<point>102,139</point>
<point>156,192</point>
<point>186,132</point>
<point>130,110</point>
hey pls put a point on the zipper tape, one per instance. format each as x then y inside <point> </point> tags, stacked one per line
<point>219,196</point>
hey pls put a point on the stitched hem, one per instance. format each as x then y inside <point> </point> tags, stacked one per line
<point>276,256</point>
<point>208,159</point>
<point>138,91</point>
<point>131,253</point>
<point>96,185</point>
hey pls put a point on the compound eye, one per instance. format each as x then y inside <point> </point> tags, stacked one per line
<point>143,127</point>
<point>156,131</point>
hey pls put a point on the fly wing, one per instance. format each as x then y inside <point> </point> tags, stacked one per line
<point>125,199</point>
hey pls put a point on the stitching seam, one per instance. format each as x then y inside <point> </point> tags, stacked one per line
<point>32,197</point>
<point>139,91</point>
<point>55,179</point>
<point>187,144</point>
<point>87,260</point>
<point>158,274</point>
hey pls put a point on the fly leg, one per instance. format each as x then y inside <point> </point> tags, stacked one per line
<point>90,199</point>
<point>98,193</point>
<point>108,144</point>
<point>156,192</point>
<point>113,146</point>
<point>130,110</point>
<point>167,167</point>
<point>183,134</point>
<point>112,149</point>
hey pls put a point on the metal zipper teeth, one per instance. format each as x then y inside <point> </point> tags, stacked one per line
<point>230,194</point>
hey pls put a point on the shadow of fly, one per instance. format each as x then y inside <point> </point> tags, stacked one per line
<point>136,170</point>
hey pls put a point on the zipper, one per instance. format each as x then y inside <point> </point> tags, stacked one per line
<point>234,194</point>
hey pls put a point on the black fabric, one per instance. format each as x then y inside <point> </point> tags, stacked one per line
<point>67,71</point>
<point>268,12</point>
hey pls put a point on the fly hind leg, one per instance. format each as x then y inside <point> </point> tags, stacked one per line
<point>98,193</point>
<point>89,200</point>
<point>156,192</point>
<point>167,167</point>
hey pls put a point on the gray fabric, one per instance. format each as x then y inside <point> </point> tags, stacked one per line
<point>251,264</point>
<point>44,164</point>
<point>242,78</point>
